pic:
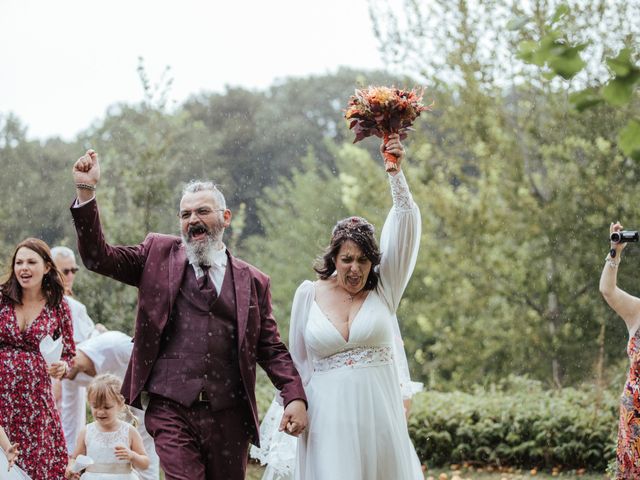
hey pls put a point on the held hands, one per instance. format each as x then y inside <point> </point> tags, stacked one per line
<point>57,370</point>
<point>86,171</point>
<point>72,372</point>
<point>294,418</point>
<point>395,148</point>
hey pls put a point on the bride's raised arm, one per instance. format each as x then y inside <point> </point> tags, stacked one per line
<point>399,241</point>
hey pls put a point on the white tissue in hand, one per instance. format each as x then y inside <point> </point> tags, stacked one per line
<point>51,349</point>
<point>82,462</point>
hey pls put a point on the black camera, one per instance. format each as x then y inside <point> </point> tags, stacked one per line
<point>625,236</point>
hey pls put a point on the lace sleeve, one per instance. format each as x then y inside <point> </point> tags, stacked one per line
<point>400,192</point>
<point>399,242</point>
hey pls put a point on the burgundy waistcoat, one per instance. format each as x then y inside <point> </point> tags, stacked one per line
<point>199,349</point>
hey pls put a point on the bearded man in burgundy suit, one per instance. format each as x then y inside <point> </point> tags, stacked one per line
<point>204,320</point>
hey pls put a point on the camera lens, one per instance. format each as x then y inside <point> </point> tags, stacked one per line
<point>615,237</point>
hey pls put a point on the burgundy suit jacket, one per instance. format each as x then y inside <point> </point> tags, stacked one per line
<point>156,267</point>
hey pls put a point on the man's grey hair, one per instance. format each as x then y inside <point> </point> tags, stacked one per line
<point>195,186</point>
<point>64,252</point>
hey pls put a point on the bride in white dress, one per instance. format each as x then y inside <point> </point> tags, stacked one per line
<point>345,342</point>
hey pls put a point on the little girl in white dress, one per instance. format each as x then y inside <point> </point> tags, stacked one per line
<point>114,445</point>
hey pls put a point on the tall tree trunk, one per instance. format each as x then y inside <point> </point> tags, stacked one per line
<point>553,319</point>
<point>600,368</point>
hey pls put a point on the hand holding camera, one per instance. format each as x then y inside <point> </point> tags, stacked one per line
<point>619,239</point>
<point>624,236</point>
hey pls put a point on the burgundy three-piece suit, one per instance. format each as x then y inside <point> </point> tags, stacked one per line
<point>195,358</point>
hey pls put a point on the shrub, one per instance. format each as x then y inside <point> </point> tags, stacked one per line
<point>519,425</point>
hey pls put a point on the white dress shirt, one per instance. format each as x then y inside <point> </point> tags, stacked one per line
<point>83,326</point>
<point>73,396</point>
<point>217,270</point>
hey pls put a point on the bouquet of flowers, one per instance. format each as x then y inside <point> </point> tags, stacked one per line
<point>381,111</point>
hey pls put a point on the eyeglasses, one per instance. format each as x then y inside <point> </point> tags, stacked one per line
<point>67,271</point>
<point>200,212</point>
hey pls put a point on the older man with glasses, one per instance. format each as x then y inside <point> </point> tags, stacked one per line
<point>71,397</point>
<point>204,320</point>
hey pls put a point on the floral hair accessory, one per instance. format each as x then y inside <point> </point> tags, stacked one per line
<point>381,111</point>
<point>351,225</point>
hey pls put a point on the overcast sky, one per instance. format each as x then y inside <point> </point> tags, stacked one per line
<point>64,62</point>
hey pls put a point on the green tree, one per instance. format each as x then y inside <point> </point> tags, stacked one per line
<point>140,155</point>
<point>505,162</point>
<point>562,57</point>
<point>256,138</point>
<point>35,184</point>
<point>297,215</point>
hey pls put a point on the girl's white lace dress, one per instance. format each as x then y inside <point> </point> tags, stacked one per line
<point>101,448</point>
<point>357,428</point>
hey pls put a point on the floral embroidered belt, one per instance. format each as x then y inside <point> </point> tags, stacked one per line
<point>355,357</point>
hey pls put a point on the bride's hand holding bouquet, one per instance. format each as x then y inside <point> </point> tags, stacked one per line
<point>392,148</point>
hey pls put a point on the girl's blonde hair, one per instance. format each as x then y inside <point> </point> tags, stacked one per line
<point>104,388</point>
<point>107,387</point>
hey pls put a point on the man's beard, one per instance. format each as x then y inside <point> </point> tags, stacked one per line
<point>199,252</point>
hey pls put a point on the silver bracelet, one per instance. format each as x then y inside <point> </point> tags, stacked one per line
<point>611,262</point>
<point>86,186</point>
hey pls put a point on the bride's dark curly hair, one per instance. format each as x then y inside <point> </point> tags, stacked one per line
<point>358,230</point>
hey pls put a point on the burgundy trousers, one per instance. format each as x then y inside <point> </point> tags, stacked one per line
<point>195,443</point>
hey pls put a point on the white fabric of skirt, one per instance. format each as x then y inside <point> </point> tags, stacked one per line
<point>357,428</point>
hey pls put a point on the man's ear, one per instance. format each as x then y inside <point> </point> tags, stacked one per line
<point>226,215</point>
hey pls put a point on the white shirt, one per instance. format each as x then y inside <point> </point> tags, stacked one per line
<point>109,352</point>
<point>218,262</point>
<point>73,396</point>
<point>83,326</point>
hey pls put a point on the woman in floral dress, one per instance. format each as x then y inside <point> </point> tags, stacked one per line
<point>32,307</point>
<point>628,307</point>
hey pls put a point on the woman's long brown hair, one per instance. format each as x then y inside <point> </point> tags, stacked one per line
<point>52,282</point>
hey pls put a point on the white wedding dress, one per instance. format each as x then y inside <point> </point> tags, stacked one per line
<point>357,428</point>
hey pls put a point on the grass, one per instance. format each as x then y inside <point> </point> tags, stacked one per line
<point>254,472</point>
<point>516,475</point>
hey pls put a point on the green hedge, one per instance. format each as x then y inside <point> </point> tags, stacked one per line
<point>517,423</point>
<point>522,425</point>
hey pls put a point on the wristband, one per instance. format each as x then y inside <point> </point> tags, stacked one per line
<point>86,186</point>
<point>611,262</point>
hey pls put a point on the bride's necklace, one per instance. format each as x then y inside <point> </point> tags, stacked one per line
<point>350,296</point>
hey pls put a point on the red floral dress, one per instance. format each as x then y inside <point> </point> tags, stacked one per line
<point>27,409</point>
<point>628,451</point>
